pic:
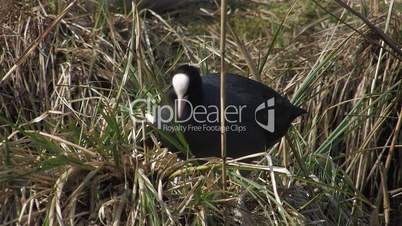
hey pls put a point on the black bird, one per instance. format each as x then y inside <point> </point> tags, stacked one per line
<point>256,115</point>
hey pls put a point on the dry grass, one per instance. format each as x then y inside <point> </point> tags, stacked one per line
<point>72,151</point>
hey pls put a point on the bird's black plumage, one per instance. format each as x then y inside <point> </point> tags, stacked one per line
<point>245,132</point>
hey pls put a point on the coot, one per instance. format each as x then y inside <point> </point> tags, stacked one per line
<point>256,115</point>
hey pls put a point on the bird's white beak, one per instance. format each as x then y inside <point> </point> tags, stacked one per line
<point>180,84</point>
<point>181,101</point>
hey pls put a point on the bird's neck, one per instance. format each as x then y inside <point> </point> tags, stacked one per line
<point>196,96</point>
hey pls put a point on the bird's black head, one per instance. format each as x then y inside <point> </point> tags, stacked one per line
<point>186,86</point>
<point>192,74</point>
